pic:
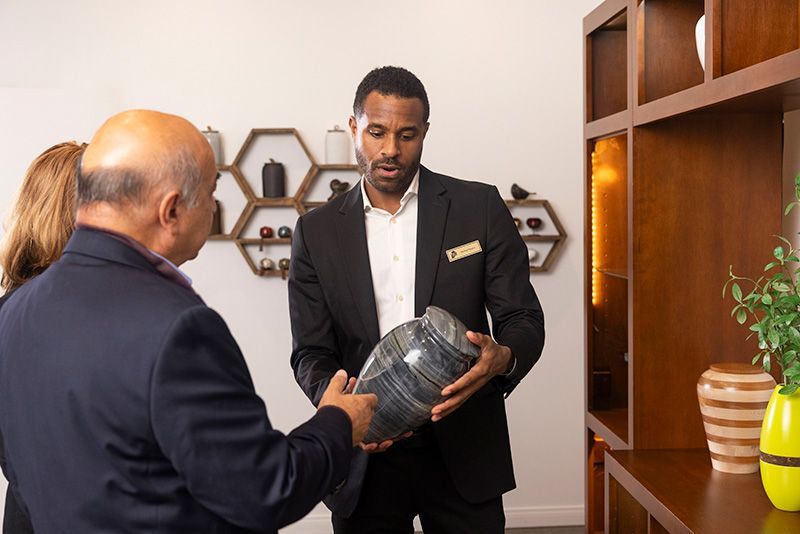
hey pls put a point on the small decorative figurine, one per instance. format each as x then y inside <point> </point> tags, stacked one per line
<point>532,255</point>
<point>265,232</point>
<point>216,223</point>
<point>518,222</point>
<point>534,223</point>
<point>266,264</point>
<point>273,179</point>
<point>283,264</point>
<point>518,193</point>
<point>337,188</point>
<point>216,144</point>
<point>284,231</point>
<point>337,147</point>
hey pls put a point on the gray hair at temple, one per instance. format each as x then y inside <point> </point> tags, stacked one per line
<point>127,185</point>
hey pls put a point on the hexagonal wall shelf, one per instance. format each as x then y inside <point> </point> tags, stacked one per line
<point>308,195</point>
<point>557,239</point>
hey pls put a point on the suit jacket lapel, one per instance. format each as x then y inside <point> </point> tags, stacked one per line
<point>352,235</point>
<point>431,221</point>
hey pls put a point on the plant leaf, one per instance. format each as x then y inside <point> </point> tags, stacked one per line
<point>756,358</point>
<point>788,390</point>
<point>767,363</point>
<point>741,316</point>
<point>736,291</point>
<point>778,253</point>
<point>766,299</point>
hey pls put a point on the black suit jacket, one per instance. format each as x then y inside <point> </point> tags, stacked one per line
<point>335,324</point>
<point>128,407</point>
<point>15,520</point>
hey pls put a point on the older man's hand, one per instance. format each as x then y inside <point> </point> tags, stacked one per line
<point>493,360</point>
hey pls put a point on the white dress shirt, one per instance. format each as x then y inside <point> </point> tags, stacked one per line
<point>392,244</point>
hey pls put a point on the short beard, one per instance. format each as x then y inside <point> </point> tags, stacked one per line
<point>400,185</point>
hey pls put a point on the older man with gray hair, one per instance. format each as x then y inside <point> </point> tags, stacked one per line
<point>126,404</point>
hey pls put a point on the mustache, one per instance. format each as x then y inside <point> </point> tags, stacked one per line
<point>388,162</point>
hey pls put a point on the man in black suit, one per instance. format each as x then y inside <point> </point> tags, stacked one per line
<point>126,404</point>
<point>406,238</point>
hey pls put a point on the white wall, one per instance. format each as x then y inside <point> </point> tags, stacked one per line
<point>504,80</point>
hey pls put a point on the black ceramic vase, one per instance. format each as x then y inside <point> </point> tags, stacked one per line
<point>408,369</point>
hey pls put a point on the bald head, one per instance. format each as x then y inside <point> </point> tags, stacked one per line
<point>150,176</point>
<point>137,152</point>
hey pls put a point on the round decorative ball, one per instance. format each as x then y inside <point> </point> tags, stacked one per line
<point>284,231</point>
<point>283,264</point>
<point>733,398</point>
<point>534,223</point>
<point>267,264</point>
<point>265,232</point>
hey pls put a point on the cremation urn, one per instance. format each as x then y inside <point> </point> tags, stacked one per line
<point>408,369</point>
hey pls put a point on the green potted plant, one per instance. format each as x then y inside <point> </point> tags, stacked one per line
<point>771,305</point>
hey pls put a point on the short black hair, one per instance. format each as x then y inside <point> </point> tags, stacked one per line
<point>391,81</point>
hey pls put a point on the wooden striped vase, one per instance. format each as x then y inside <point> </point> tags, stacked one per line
<point>733,398</point>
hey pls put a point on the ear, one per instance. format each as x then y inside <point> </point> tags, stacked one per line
<point>425,130</point>
<point>168,211</point>
<point>353,126</point>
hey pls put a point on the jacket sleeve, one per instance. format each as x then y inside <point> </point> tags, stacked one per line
<point>214,429</point>
<point>517,318</point>
<point>314,356</point>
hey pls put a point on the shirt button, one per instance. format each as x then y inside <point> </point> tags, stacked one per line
<point>400,298</point>
<point>393,220</point>
<point>396,258</point>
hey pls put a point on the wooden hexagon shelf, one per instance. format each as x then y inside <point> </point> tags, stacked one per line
<point>301,203</point>
<point>556,239</point>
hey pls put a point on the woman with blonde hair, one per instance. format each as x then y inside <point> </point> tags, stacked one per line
<point>42,221</point>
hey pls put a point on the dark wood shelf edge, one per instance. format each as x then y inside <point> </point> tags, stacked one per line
<point>219,237</point>
<point>764,76</point>
<point>337,167</point>
<point>595,422</point>
<point>266,241</point>
<point>602,14</point>
<point>612,273</point>
<point>610,126</point>
<point>643,494</point>
<point>542,238</point>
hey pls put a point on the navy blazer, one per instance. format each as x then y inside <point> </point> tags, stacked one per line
<point>15,520</point>
<point>335,323</point>
<point>127,406</point>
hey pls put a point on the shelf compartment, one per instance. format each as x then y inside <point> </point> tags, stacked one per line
<point>697,180</point>
<point>609,204</point>
<point>595,482</point>
<point>607,68</point>
<point>667,60</point>
<point>741,39</point>
<point>610,425</point>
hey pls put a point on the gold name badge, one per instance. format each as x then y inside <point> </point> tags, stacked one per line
<point>463,251</point>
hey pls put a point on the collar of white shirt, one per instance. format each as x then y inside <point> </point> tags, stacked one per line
<point>412,190</point>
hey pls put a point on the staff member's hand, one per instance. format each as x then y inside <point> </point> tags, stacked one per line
<point>493,360</point>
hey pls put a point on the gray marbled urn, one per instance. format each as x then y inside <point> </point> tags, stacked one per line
<point>408,369</point>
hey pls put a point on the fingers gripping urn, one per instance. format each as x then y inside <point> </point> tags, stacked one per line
<point>408,369</point>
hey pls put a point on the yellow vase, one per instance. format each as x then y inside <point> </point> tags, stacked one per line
<point>780,451</point>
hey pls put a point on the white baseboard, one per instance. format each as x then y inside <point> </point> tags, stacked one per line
<point>519,517</point>
<point>544,516</point>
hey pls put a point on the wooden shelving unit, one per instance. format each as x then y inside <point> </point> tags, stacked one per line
<point>682,181</point>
